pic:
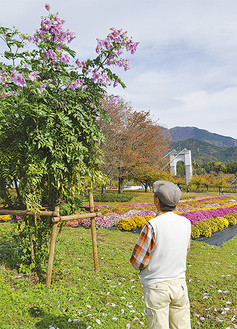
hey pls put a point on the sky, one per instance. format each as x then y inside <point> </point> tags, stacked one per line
<point>185,69</point>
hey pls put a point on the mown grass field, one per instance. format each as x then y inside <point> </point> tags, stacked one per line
<point>112,297</point>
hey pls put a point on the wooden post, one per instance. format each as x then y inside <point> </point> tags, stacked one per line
<point>51,249</point>
<point>93,232</point>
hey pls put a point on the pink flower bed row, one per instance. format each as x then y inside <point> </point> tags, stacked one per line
<point>111,219</point>
<point>200,215</point>
<point>207,199</point>
<point>126,205</point>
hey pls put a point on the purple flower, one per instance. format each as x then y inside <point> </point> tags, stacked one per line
<point>115,100</point>
<point>84,87</point>
<point>50,54</point>
<point>75,84</point>
<point>65,59</point>
<point>43,86</point>
<point>78,63</point>
<point>115,84</point>
<point>32,76</point>
<point>47,6</point>
<point>18,79</point>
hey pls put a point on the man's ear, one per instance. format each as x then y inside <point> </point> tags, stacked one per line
<point>156,201</point>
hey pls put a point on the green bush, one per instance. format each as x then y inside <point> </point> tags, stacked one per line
<point>112,197</point>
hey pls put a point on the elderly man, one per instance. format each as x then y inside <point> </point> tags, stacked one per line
<point>160,254</point>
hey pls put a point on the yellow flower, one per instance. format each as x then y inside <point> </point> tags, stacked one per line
<point>126,224</point>
<point>5,218</point>
<point>195,233</point>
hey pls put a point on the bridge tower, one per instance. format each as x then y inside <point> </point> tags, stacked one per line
<point>185,156</point>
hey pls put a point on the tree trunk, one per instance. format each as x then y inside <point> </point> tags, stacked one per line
<point>146,186</point>
<point>103,189</point>
<point>17,191</point>
<point>120,187</point>
<point>4,193</point>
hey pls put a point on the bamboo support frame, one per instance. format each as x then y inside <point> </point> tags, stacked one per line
<point>55,220</point>
<point>26,212</point>
<point>93,232</point>
<point>74,217</point>
<point>51,250</point>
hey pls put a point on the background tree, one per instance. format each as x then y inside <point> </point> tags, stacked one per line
<point>179,181</point>
<point>197,181</point>
<point>134,142</point>
<point>147,176</point>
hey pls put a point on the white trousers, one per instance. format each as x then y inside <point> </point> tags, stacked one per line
<point>167,305</point>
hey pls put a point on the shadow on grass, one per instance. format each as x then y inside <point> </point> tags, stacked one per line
<point>53,321</point>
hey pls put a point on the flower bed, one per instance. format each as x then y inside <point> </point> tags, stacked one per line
<point>206,215</point>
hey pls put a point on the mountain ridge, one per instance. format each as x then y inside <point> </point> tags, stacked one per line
<point>184,133</point>
<point>203,152</point>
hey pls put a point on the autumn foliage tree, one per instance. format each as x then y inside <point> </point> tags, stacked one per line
<point>135,144</point>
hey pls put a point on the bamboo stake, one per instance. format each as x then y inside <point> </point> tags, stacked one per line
<point>25,212</point>
<point>73,217</point>
<point>51,250</point>
<point>93,232</point>
<point>32,254</point>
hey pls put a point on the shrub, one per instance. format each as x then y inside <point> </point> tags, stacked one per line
<point>195,233</point>
<point>112,197</point>
<point>231,219</point>
<point>126,224</point>
<point>219,223</point>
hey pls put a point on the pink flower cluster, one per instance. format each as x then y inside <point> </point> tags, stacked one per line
<point>52,30</point>
<point>77,84</point>
<point>18,79</point>
<point>207,199</point>
<point>116,41</point>
<point>105,221</point>
<point>200,215</point>
<point>117,38</point>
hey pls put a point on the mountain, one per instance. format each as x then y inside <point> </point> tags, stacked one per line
<point>203,152</point>
<point>184,133</point>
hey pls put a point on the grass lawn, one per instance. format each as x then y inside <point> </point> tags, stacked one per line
<point>112,297</point>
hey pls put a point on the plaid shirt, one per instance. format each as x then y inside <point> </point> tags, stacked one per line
<point>142,251</point>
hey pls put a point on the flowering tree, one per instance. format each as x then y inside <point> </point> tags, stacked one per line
<point>49,136</point>
<point>48,108</point>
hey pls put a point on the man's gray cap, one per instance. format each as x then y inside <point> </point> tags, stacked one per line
<point>167,192</point>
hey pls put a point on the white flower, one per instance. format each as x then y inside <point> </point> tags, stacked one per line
<point>219,319</point>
